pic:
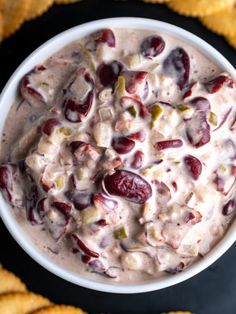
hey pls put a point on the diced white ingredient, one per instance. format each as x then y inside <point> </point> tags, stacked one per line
<point>102,132</point>
<point>80,87</point>
<point>134,60</point>
<point>167,259</point>
<point>35,162</point>
<point>105,113</point>
<point>105,95</point>
<point>217,230</point>
<point>131,261</point>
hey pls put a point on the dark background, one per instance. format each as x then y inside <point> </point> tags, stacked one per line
<point>212,291</point>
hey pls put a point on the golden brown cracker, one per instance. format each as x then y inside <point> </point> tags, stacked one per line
<point>1,26</point>
<point>59,309</point>
<point>10,283</point>
<point>14,13</point>
<point>179,312</point>
<point>231,41</point>
<point>199,7</point>
<point>156,1</point>
<point>223,22</point>
<point>21,302</point>
<point>38,7</point>
<point>65,1</point>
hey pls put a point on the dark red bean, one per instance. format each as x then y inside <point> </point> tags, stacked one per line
<point>82,246</point>
<point>75,111</point>
<point>50,125</point>
<point>169,144</point>
<point>198,129</point>
<point>138,160</point>
<point>82,200</point>
<point>9,184</point>
<point>122,145</point>
<point>229,207</point>
<point>46,185</point>
<point>194,166</point>
<point>85,259</point>
<point>106,36</point>
<point>133,80</point>
<point>138,136</point>
<point>75,108</point>
<point>128,185</point>
<point>200,103</point>
<point>28,92</point>
<point>152,46</point>
<point>108,73</point>
<point>177,65</point>
<point>63,208</point>
<point>217,83</point>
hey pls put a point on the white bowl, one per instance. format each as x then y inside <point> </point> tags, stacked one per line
<point>7,98</point>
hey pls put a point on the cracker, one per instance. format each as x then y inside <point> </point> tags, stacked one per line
<point>10,283</point>
<point>38,7</point>
<point>179,312</point>
<point>14,13</point>
<point>231,41</point>
<point>65,1</point>
<point>156,1</point>
<point>59,309</point>
<point>222,23</point>
<point>21,302</point>
<point>199,7</point>
<point>1,26</point>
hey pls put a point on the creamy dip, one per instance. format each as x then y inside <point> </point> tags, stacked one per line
<point>119,155</point>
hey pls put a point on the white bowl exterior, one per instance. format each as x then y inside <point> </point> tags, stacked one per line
<point>7,98</point>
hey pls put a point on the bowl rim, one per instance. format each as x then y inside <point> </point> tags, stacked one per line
<point>9,91</point>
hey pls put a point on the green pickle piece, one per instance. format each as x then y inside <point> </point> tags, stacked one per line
<point>183,108</point>
<point>132,111</point>
<point>156,113</point>
<point>213,119</point>
<point>120,233</point>
<point>88,56</point>
<point>65,131</point>
<point>120,86</point>
<point>90,215</point>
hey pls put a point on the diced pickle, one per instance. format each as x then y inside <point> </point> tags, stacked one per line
<point>60,181</point>
<point>212,118</point>
<point>184,108</point>
<point>132,110</point>
<point>65,131</point>
<point>105,113</point>
<point>90,215</point>
<point>120,86</point>
<point>156,113</point>
<point>82,173</point>
<point>88,56</point>
<point>120,233</point>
